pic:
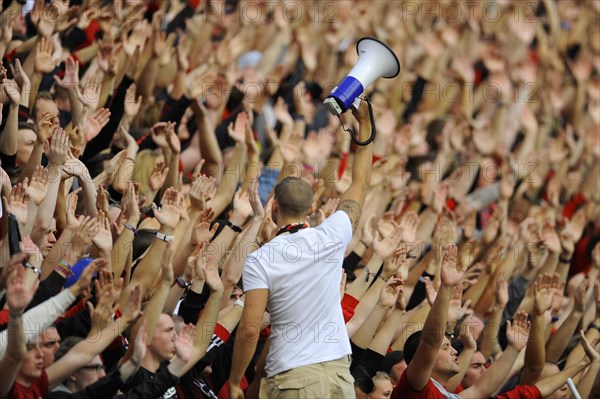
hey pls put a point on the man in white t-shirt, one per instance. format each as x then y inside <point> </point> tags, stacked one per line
<point>297,276</point>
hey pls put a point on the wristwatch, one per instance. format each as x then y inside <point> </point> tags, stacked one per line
<point>28,265</point>
<point>180,281</point>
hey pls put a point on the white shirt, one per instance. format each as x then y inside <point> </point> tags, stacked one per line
<point>302,272</point>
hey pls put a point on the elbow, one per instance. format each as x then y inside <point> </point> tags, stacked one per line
<point>230,279</point>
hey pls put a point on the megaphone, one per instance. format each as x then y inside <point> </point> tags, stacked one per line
<point>375,60</point>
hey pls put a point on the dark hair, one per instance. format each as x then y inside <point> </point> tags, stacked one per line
<point>294,196</point>
<point>411,345</point>
<point>363,380</point>
<point>66,345</point>
<point>141,242</point>
<point>27,125</point>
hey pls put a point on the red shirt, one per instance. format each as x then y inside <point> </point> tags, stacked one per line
<point>522,392</point>
<point>37,390</point>
<point>403,390</point>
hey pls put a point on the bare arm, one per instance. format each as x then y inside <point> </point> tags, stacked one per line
<point>245,344</point>
<point>432,336</point>
<point>353,198</point>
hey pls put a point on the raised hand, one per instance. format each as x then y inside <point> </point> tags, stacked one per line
<point>44,63</point>
<point>184,343</point>
<point>133,307</point>
<point>17,294</point>
<point>103,238</point>
<point>71,78</point>
<point>203,189</point>
<point>59,148</point>
<point>168,214</point>
<point>17,203</point>
<point>268,228</point>
<point>132,106</point>
<point>202,231</point>
<point>456,309</point>
<point>237,131</point>
<point>501,291</point>
<point>591,350</point>
<point>466,334</point>
<point>579,297</point>
<point>46,125</point>
<point>431,289</point>
<point>451,274</point>
<point>140,345</point>
<point>87,229</point>
<point>89,93</point>
<point>257,209</point>
<point>211,273</point>
<point>157,176</point>
<point>385,247</point>
<point>542,294</point>
<point>72,221</point>
<point>550,238</point>
<point>93,124</point>
<point>241,203</point>
<point>408,227</point>
<point>389,293</point>
<point>12,91</point>
<point>517,332</point>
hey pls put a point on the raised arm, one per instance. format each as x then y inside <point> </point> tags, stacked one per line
<point>432,336</point>
<point>517,334</point>
<point>84,352</point>
<point>353,198</point>
<point>17,299</point>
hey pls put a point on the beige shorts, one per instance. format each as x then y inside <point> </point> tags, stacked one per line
<point>320,380</point>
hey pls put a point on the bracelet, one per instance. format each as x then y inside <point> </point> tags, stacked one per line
<point>240,303</point>
<point>383,278</point>
<point>180,281</point>
<point>364,243</point>
<point>368,273</point>
<point>233,227</point>
<point>130,227</point>
<point>260,244</point>
<point>563,260</point>
<point>164,237</point>
<point>64,268</point>
<point>28,265</point>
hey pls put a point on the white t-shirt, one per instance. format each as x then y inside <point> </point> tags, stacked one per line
<point>302,272</point>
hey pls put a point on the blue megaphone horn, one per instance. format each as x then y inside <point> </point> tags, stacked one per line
<point>375,60</point>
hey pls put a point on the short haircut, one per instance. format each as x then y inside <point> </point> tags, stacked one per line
<point>380,375</point>
<point>28,126</point>
<point>66,345</point>
<point>411,345</point>
<point>294,197</point>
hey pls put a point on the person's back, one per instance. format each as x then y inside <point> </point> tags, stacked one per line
<point>297,276</point>
<point>302,272</point>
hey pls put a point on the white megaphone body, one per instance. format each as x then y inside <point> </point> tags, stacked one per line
<point>375,60</point>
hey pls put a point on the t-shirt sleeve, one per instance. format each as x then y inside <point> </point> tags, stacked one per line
<point>254,276</point>
<point>403,390</point>
<point>338,225</point>
<point>522,392</point>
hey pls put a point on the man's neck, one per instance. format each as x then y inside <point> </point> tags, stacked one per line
<point>150,362</point>
<point>287,221</point>
<point>26,382</point>
<point>443,380</point>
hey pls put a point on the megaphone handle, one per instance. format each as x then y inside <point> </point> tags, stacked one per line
<point>373,129</point>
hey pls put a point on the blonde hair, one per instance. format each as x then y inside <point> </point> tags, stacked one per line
<point>144,164</point>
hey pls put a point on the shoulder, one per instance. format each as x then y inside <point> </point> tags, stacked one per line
<point>353,209</point>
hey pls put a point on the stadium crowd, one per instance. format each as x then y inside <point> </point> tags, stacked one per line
<point>183,218</point>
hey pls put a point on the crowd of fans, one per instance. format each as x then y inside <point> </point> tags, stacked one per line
<point>141,142</point>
